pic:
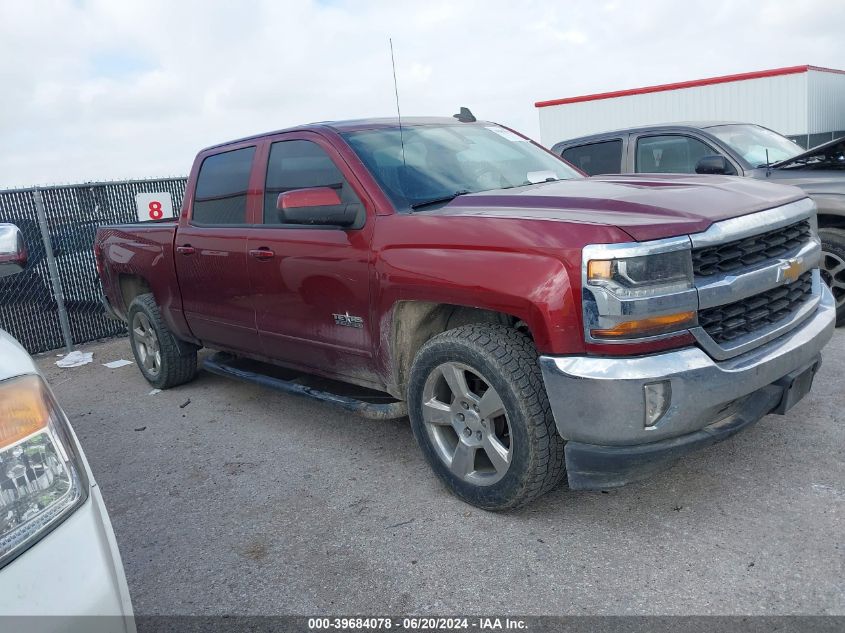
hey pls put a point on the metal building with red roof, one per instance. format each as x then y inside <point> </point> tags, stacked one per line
<point>806,103</point>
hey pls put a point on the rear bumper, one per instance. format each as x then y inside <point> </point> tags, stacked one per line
<point>599,403</point>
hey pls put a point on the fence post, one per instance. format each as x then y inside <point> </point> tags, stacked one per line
<point>55,280</point>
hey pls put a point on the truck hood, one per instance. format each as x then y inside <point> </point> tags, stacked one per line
<point>645,206</point>
<point>831,153</point>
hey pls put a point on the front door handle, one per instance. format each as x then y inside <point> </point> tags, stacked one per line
<point>187,249</point>
<point>262,253</point>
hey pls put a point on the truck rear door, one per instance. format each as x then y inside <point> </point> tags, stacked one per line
<point>211,250</point>
<point>311,283</point>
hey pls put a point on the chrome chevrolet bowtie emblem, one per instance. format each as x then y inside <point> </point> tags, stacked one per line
<point>790,269</point>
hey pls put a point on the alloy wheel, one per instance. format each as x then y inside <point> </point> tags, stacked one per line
<point>833,274</point>
<point>146,344</point>
<point>467,424</point>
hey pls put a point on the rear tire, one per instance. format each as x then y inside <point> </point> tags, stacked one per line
<point>480,414</point>
<point>833,267</point>
<point>163,360</point>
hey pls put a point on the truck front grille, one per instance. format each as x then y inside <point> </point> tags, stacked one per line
<point>733,320</point>
<point>739,254</point>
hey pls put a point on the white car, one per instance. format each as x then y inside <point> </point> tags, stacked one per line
<point>58,554</point>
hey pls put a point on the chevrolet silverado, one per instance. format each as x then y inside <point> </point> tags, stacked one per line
<point>533,323</point>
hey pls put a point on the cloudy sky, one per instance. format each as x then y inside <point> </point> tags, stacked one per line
<point>107,89</point>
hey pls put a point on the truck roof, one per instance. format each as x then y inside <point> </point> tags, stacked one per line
<point>698,125</point>
<point>352,125</point>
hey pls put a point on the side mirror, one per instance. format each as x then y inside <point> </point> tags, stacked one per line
<point>319,206</point>
<point>714,165</point>
<point>13,253</point>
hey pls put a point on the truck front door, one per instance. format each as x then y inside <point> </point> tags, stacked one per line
<point>310,283</point>
<point>669,153</point>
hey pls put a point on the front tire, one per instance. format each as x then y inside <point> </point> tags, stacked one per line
<point>833,267</point>
<point>163,360</point>
<point>480,414</point>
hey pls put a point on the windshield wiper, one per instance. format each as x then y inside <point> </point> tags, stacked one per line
<point>441,199</point>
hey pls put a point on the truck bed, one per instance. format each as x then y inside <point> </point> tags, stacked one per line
<point>139,253</point>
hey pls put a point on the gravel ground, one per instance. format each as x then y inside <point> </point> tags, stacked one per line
<point>230,498</point>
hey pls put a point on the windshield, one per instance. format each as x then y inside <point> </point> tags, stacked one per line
<point>752,141</point>
<point>441,161</point>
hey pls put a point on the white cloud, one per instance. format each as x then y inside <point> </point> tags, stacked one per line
<point>100,89</point>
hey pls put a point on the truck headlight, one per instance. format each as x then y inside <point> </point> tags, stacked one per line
<point>631,293</point>
<point>643,276</point>
<point>42,479</point>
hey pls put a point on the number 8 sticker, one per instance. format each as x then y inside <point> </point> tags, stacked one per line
<point>154,205</point>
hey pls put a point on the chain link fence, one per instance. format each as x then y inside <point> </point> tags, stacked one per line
<point>55,302</point>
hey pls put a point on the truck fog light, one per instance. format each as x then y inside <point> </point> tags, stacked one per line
<point>658,397</point>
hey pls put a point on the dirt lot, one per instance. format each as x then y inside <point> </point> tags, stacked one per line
<point>227,497</point>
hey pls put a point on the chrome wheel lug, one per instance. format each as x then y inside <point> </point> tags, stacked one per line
<point>467,431</point>
<point>461,417</point>
<point>465,405</point>
<point>478,435</point>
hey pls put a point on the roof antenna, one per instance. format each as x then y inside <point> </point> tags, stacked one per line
<point>398,112</point>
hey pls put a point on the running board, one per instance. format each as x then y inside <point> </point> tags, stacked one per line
<point>223,365</point>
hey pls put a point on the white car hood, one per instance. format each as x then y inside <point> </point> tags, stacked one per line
<point>14,359</point>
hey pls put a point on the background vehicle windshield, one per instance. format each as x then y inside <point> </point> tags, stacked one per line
<point>442,160</point>
<point>752,141</point>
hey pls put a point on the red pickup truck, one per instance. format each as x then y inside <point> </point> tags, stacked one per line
<point>533,323</point>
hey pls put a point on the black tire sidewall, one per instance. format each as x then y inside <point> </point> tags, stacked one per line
<point>508,490</point>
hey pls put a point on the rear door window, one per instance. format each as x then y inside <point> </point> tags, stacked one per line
<point>222,187</point>
<point>670,154</point>
<point>596,158</point>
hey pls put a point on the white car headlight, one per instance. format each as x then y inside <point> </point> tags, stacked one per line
<point>42,479</point>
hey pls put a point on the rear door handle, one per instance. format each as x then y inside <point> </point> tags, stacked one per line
<point>187,249</point>
<point>262,253</point>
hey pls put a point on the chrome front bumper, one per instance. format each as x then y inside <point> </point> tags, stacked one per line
<point>600,401</point>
